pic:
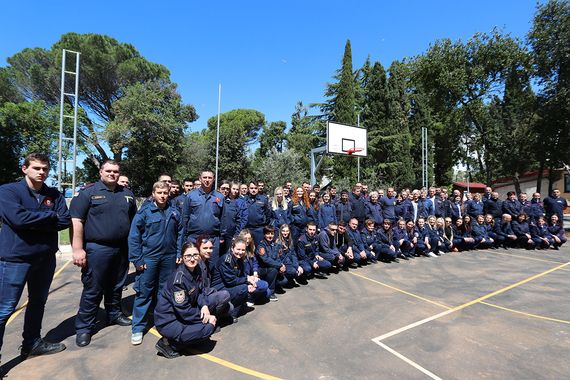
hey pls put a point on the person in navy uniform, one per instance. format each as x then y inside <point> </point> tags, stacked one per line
<point>299,219</point>
<point>101,216</point>
<point>359,249</point>
<point>494,206</point>
<point>555,204</point>
<point>270,263</point>
<point>230,275</point>
<point>327,212</point>
<point>521,228</point>
<point>343,208</point>
<point>474,207</point>
<point>259,212</point>
<point>182,315</point>
<point>155,246</point>
<point>308,253</point>
<point>32,214</point>
<point>234,215</point>
<point>202,213</point>
<point>280,208</point>
<point>327,245</point>
<point>357,204</point>
<point>511,205</point>
<point>557,231</point>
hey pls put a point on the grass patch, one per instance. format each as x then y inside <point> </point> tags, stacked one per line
<point>64,237</point>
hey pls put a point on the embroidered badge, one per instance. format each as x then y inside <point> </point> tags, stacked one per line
<point>48,202</point>
<point>262,251</point>
<point>95,197</point>
<point>179,296</point>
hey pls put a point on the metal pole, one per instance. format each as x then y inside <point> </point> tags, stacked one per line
<point>218,134</point>
<point>59,168</point>
<point>427,159</point>
<point>76,105</point>
<point>358,158</point>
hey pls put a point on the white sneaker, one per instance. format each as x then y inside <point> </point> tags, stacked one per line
<point>136,338</point>
<point>431,254</point>
<point>249,304</point>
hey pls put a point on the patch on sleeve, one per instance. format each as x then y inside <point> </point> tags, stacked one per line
<point>179,296</point>
<point>261,251</point>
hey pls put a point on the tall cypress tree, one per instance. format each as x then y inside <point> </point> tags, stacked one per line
<point>341,108</point>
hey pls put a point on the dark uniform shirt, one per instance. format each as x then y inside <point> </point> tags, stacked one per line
<point>180,299</point>
<point>107,213</point>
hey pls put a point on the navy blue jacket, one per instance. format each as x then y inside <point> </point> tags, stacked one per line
<point>474,208</point>
<point>327,214</point>
<point>202,213</point>
<point>234,217</point>
<point>534,209</point>
<point>178,202</point>
<point>313,215</point>
<point>281,216</point>
<point>154,233</point>
<point>405,209</point>
<point>374,212</point>
<point>299,215</point>
<point>358,244</point>
<point>30,224</point>
<point>308,248</point>
<point>259,211</point>
<point>520,229</point>
<point>327,245</point>
<point>288,254</point>
<point>343,211</point>
<point>513,208</point>
<point>107,214</point>
<point>229,273</point>
<point>180,300</point>
<point>357,207</point>
<point>554,206</point>
<point>425,208</point>
<point>493,207</point>
<point>268,254</point>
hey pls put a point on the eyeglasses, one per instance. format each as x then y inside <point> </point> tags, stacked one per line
<point>189,256</point>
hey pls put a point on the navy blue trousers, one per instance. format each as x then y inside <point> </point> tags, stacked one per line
<point>103,277</point>
<point>38,275</point>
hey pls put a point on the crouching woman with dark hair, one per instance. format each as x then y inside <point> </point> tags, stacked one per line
<point>181,315</point>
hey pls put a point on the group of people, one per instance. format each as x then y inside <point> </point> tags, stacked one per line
<point>204,256</point>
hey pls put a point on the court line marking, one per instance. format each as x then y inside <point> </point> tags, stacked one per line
<point>529,258</point>
<point>378,339</point>
<point>524,313</point>
<point>409,361</point>
<point>21,308</point>
<point>222,362</point>
<point>467,304</point>
<point>402,291</point>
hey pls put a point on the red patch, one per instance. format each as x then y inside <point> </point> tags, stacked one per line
<point>217,200</point>
<point>48,202</point>
<point>262,251</point>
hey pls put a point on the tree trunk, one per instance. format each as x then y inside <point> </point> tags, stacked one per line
<point>517,183</point>
<point>539,179</point>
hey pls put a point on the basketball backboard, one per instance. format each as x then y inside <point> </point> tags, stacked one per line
<point>346,140</point>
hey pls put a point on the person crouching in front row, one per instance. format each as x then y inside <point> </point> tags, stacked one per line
<point>182,315</point>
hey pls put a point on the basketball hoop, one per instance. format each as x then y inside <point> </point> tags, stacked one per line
<point>354,150</point>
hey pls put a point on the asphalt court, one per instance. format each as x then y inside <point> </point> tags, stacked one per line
<point>422,309</point>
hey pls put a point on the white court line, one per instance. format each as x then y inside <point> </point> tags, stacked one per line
<point>410,362</point>
<point>378,339</point>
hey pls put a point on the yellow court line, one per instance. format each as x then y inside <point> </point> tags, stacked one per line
<point>467,304</point>
<point>402,291</point>
<point>530,258</point>
<point>524,313</point>
<point>21,308</point>
<point>225,363</point>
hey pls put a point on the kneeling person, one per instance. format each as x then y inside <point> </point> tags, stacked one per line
<point>182,316</point>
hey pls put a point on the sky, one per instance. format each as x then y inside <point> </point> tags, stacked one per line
<point>267,55</point>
